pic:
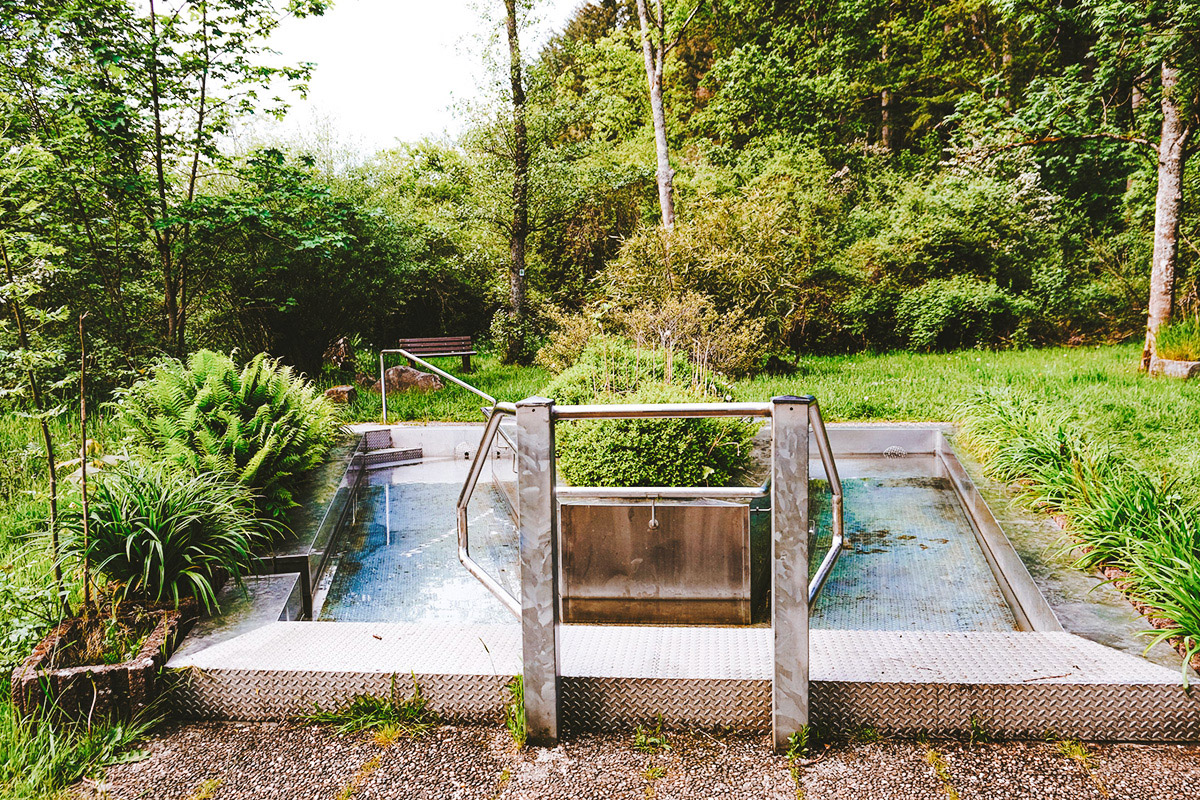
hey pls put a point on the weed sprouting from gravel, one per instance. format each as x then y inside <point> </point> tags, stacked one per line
<point>651,740</point>
<point>651,774</point>
<point>866,735</point>
<point>979,732</point>
<point>390,718</point>
<point>514,711</point>
<point>942,770</point>
<point>359,778</point>
<point>1075,750</point>
<point>206,789</point>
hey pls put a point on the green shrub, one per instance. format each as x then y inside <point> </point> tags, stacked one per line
<point>613,367</point>
<point>569,337</point>
<point>1180,340</point>
<point>946,314</point>
<point>642,452</point>
<point>259,425</point>
<point>40,760</point>
<point>161,534</point>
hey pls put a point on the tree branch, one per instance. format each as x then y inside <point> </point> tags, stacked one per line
<point>1074,137</point>
<point>679,34</point>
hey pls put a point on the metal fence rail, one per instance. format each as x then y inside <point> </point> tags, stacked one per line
<point>538,496</point>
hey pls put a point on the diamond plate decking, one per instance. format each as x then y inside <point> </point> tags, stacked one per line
<point>1014,684</point>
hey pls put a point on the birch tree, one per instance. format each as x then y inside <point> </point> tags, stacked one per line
<point>655,47</point>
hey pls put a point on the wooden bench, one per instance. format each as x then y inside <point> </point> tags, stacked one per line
<point>441,346</point>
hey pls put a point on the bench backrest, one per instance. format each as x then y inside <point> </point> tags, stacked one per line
<point>439,344</point>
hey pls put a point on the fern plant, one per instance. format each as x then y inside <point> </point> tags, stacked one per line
<point>259,425</point>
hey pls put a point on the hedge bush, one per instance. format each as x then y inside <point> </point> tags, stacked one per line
<point>640,452</point>
<point>963,311</point>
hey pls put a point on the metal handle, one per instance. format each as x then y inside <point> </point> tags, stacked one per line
<point>835,487</point>
<point>497,413</point>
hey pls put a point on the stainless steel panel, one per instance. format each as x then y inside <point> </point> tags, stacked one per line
<point>789,557</point>
<point>539,556</point>
<point>649,563</point>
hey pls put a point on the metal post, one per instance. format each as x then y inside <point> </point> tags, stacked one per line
<point>789,557</point>
<point>383,387</point>
<point>539,575</point>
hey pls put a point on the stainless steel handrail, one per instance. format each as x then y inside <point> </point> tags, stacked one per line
<point>437,370</point>
<point>665,492</point>
<point>639,411</point>
<point>498,411</point>
<point>835,487</point>
<point>662,411</point>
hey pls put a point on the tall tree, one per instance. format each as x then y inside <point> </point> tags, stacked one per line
<point>655,47</point>
<point>1161,38</point>
<point>514,345</point>
<point>1179,119</point>
<point>133,99</point>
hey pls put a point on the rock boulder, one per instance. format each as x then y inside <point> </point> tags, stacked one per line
<point>1175,369</point>
<point>407,379</point>
<point>341,394</point>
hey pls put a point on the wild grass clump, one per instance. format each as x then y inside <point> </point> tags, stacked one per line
<point>160,534</point>
<point>514,712</point>
<point>391,717</point>
<point>1118,515</point>
<point>40,760</point>
<point>259,425</point>
<point>1180,340</point>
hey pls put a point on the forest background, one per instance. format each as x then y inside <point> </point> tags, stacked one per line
<point>845,176</point>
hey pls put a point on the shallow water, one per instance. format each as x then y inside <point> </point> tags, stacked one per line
<point>399,561</point>
<point>911,561</point>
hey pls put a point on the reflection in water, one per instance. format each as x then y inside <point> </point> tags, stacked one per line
<point>912,561</point>
<point>399,562</point>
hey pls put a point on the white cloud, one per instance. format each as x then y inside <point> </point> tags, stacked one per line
<point>392,70</point>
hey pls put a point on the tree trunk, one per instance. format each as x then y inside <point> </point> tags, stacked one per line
<point>652,53</point>
<point>886,131</point>
<point>520,224</point>
<point>1172,157</point>
<point>164,241</point>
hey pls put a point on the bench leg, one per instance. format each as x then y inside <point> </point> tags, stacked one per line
<point>466,363</point>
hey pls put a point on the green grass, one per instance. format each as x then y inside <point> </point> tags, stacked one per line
<point>1153,421</point>
<point>1123,516</point>
<point>27,604</point>
<point>1180,340</point>
<point>394,716</point>
<point>651,740</point>
<point>451,404</point>
<point>41,761</point>
<point>514,712</point>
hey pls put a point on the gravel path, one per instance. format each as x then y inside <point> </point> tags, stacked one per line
<point>264,761</point>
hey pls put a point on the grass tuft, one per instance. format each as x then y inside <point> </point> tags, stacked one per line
<point>39,760</point>
<point>1180,340</point>
<point>942,769</point>
<point>651,740</point>
<point>388,717</point>
<point>514,711</point>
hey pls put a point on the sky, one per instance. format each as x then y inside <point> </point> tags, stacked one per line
<point>393,70</point>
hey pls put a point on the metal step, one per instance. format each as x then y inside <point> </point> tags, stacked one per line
<point>1010,684</point>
